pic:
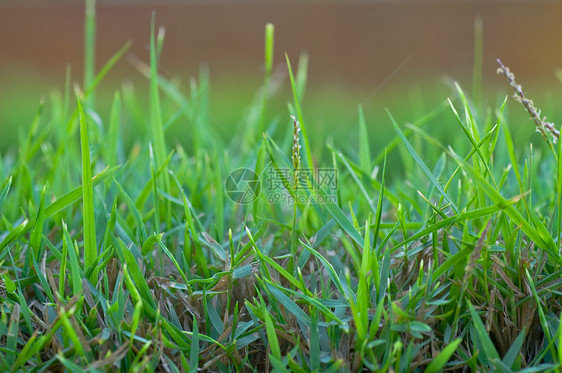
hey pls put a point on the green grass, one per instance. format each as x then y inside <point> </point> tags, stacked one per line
<point>440,250</point>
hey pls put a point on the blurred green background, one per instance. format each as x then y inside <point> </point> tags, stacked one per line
<point>401,55</point>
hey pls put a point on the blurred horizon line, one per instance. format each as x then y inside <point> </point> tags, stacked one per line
<point>159,3</point>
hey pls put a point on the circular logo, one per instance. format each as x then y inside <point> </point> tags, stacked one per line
<point>242,186</point>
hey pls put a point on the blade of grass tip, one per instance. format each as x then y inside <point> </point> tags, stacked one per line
<point>440,360</point>
<point>135,320</point>
<point>269,39</point>
<point>90,48</point>
<point>360,309</point>
<point>302,74</point>
<point>269,43</point>
<point>105,69</point>
<point>160,41</point>
<point>270,330</point>
<point>37,233</point>
<point>67,97</point>
<point>157,130</point>
<point>420,163</point>
<point>474,143</point>
<point>469,117</point>
<point>113,133</point>
<point>17,232</point>
<point>364,150</point>
<point>307,149</point>
<point>89,221</point>
<point>96,81</point>
<point>148,245</point>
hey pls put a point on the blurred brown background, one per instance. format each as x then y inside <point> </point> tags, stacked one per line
<point>353,42</point>
<point>353,46</point>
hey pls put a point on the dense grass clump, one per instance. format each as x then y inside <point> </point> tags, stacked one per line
<point>169,258</point>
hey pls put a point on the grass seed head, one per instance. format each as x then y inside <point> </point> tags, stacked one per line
<point>542,125</point>
<point>296,156</point>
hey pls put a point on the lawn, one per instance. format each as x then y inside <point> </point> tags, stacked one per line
<point>257,249</point>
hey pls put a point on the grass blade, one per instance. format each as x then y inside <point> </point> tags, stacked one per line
<point>364,149</point>
<point>90,246</point>
<point>490,351</point>
<point>156,126</point>
<point>90,48</point>
<point>439,362</point>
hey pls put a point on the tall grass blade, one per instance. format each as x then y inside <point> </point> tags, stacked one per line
<point>156,126</point>
<point>88,216</point>
<point>364,149</point>
<point>90,48</point>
